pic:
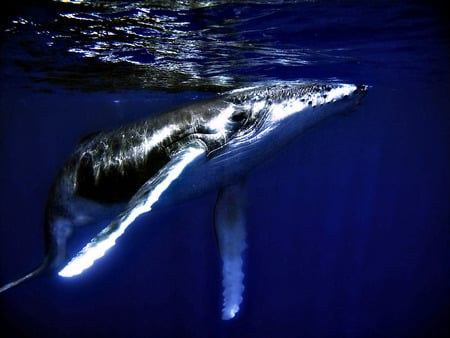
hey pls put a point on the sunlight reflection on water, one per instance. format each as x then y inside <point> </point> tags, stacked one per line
<point>168,45</point>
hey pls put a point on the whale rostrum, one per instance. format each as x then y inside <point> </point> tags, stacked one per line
<point>121,174</point>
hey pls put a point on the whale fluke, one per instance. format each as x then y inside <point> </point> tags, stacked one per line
<point>32,274</point>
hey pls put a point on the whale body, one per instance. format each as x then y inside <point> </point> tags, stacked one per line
<point>120,174</point>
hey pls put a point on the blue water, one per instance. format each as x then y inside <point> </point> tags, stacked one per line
<point>348,227</point>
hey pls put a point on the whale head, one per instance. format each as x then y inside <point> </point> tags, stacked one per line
<point>260,120</point>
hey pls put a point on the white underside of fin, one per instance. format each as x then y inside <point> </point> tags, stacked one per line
<point>231,235</point>
<point>141,203</point>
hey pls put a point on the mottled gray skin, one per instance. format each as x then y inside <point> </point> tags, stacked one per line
<point>109,167</point>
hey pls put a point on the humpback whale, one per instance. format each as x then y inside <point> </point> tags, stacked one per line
<point>121,174</point>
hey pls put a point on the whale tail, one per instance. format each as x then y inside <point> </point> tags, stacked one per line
<point>51,251</point>
<point>33,273</point>
<point>57,232</point>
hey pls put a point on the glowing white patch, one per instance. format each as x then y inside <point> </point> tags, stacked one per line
<point>106,239</point>
<point>257,106</point>
<point>239,90</point>
<point>220,122</point>
<point>231,312</point>
<point>158,137</point>
<point>339,92</point>
<point>233,286</point>
<point>282,110</point>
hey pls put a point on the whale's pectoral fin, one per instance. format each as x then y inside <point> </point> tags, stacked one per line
<point>230,232</point>
<point>141,202</point>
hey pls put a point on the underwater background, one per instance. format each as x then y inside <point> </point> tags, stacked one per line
<point>348,226</point>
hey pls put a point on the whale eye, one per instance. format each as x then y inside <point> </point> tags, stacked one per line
<point>239,116</point>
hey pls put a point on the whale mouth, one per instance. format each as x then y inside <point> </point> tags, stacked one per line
<point>360,92</point>
<point>362,88</point>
